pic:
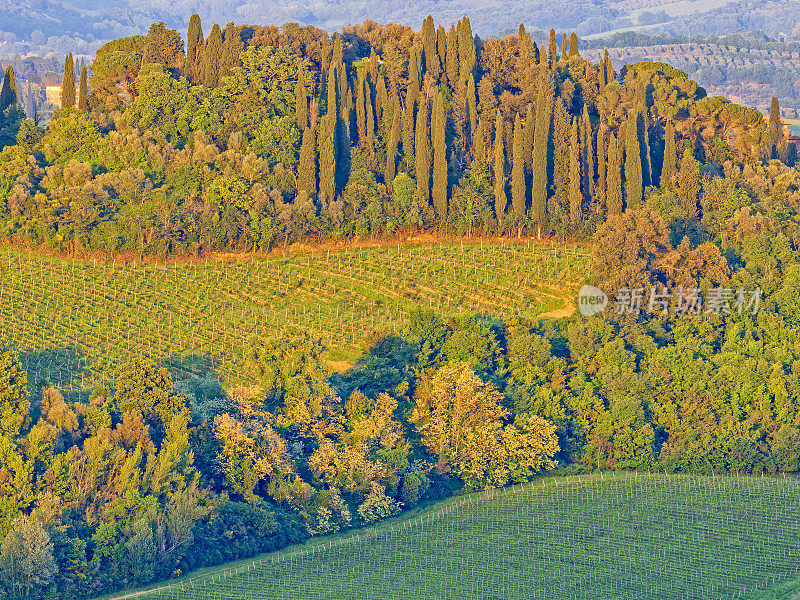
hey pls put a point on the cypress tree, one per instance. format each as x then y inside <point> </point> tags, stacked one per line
<point>451,61</point>
<point>573,45</point>
<point>232,48</point>
<point>301,104</point>
<point>391,146</point>
<point>775,130</point>
<point>500,198</point>
<point>439,159</point>
<point>611,77</point>
<point>670,158</point>
<point>541,137</point>
<point>553,49</point>
<point>83,99</point>
<point>472,106</point>
<point>644,146</point>
<point>369,110</point>
<point>601,74</point>
<point>8,94</point>
<point>441,49</point>
<point>601,169</point>
<point>689,183</point>
<point>633,164</point>
<point>68,85</point>
<point>429,48</point>
<point>422,153</point>
<point>194,44</point>
<point>527,59</point>
<point>518,187</point>
<point>307,168</point>
<point>467,56</point>
<point>561,142</point>
<point>575,196</point>
<point>564,46</point>
<point>209,65</point>
<point>527,139</point>
<point>337,57</point>
<point>327,159</point>
<point>478,143</point>
<point>361,112</point>
<point>587,152</point>
<point>614,202</point>
<point>408,130</point>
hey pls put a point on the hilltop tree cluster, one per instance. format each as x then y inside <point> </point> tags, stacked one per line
<point>255,136</point>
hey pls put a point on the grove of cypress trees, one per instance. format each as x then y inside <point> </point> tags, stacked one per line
<point>194,44</point>
<point>670,158</point>
<point>439,159</point>
<point>83,94</point>
<point>633,163</point>
<point>307,167</point>
<point>422,153</point>
<point>518,187</point>
<point>500,198</point>
<point>575,196</point>
<point>68,84</point>
<point>614,203</point>
<point>209,64</point>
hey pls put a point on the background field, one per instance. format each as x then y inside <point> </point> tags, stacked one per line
<point>603,536</point>
<point>72,322</point>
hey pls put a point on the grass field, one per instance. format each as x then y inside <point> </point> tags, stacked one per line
<point>610,536</point>
<point>72,322</point>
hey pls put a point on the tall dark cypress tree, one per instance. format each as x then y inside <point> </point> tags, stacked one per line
<point>553,49</point>
<point>644,146</point>
<point>441,50</point>
<point>429,48</point>
<point>409,118</point>
<point>614,202</point>
<point>527,139</point>
<point>527,59</point>
<point>8,94</point>
<point>478,144</point>
<point>575,195</point>
<point>634,191</point>
<point>423,153</point>
<point>518,187</point>
<point>83,95</point>
<point>689,183</point>
<point>307,168</point>
<point>573,45</point>
<point>775,129</point>
<point>327,160</point>
<point>232,48</point>
<point>194,45</point>
<point>601,170</point>
<point>564,46</point>
<point>472,107</point>
<point>391,146</point>
<point>560,145</point>
<point>361,113</point>
<point>301,104</point>
<point>500,198</point>
<point>439,159</point>
<point>669,167</point>
<point>611,77</point>
<point>451,61</point>
<point>68,84</point>
<point>587,152</point>
<point>541,137</point>
<point>466,50</point>
<point>209,65</point>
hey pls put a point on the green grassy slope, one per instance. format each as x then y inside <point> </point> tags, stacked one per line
<point>610,536</point>
<point>73,321</point>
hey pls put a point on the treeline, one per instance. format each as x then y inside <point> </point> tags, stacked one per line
<point>255,136</point>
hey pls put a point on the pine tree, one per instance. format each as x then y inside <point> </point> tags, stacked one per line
<point>500,198</point>
<point>209,64</point>
<point>689,183</point>
<point>553,49</point>
<point>301,104</point>
<point>8,94</point>
<point>452,66</point>
<point>68,84</point>
<point>775,129</point>
<point>307,167</point>
<point>670,158</point>
<point>575,196</point>
<point>83,96</point>
<point>439,159</point>
<point>573,45</point>
<point>614,203</point>
<point>634,190</point>
<point>518,187</point>
<point>194,45</point>
<point>423,153</point>
<point>232,48</point>
<point>391,146</point>
<point>541,137</point>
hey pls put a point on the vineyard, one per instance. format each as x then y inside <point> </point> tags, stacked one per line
<point>601,536</point>
<point>73,322</point>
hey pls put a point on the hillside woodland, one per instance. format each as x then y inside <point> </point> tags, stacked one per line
<point>258,136</point>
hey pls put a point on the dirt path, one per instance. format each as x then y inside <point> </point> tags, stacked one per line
<point>560,313</point>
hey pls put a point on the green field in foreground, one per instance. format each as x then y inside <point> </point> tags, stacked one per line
<point>73,321</point>
<point>601,536</point>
